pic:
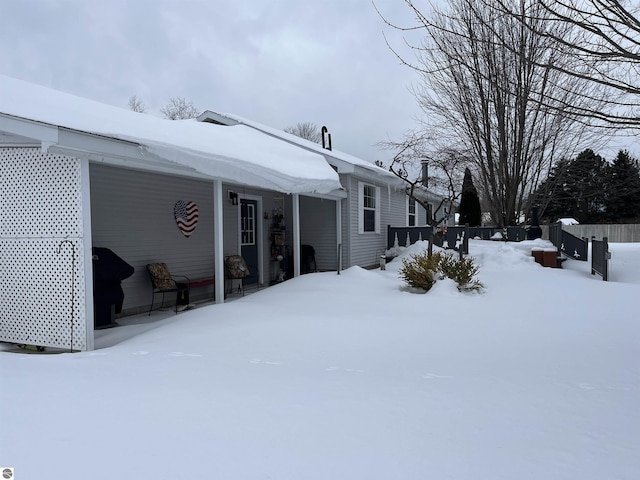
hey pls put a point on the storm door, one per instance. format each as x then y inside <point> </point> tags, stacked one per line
<point>249,237</point>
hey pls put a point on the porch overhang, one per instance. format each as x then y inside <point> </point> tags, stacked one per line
<point>64,123</point>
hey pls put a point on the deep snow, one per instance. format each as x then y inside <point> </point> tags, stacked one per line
<point>351,376</point>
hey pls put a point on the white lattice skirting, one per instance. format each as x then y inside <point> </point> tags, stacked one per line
<point>42,290</point>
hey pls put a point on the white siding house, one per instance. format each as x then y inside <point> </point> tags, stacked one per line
<point>76,174</point>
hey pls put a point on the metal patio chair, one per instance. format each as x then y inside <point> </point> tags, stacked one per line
<point>236,268</point>
<point>163,282</point>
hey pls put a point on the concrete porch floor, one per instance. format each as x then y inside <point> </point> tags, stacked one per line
<point>128,327</point>
<point>134,325</point>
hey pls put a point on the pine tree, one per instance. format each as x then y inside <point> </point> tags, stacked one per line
<point>575,188</point>
<point>586,182</point>
<point>470,211</point>
<point>623,189</point>
<point>550,195</point>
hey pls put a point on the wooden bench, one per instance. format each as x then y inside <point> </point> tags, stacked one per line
<point>202,282</point>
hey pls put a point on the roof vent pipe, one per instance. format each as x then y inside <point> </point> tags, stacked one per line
<point>326,138</point>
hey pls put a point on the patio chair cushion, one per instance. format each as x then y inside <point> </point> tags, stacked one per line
<point>161,277</point>
<point>236,267</point>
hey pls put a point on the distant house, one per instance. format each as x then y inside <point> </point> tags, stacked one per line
<point>375,198</point>
<point>77,174</point>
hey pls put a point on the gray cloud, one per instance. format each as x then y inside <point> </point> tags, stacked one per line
<point>278,62</point>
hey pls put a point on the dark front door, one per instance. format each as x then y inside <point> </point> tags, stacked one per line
<point>249,237</point>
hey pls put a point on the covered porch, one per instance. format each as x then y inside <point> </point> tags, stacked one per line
<point>132,214</point>
<point>86,174</point>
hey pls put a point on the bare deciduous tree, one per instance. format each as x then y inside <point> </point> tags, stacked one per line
<point>307,130</point>
<point>602,40</point>
<point>495,103</point>
<point>179,108</point>
<point>443,177</point>
<point>137,105</point>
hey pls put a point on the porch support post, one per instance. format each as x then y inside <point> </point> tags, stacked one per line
<point>296,235</point>
<point>218,239</point>
<point>339,235</point>
<point>87,253</point>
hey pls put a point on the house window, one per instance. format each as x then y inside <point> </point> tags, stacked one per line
<point>369,208</point>
<point>248,224</point>
<point>411,212</point>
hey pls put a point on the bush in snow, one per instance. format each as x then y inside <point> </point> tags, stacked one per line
<point>461,270</point>
<point>419,271</point>
<point>422,271</point>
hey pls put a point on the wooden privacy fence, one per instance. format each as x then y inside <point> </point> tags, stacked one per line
<point>616,233</point>
<point>600,257</point>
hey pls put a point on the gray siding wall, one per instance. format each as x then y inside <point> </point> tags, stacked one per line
<point>318,229</point>
<point>132,214</point>
<point>365,248</point>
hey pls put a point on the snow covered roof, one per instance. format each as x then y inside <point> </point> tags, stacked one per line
<point>240,155</point>
<point>331,155</point>
<point>568,221</point>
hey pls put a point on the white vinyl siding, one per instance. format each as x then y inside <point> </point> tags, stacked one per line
<point>368,208</point>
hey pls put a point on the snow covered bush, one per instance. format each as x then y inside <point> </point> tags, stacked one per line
<point>422,271</point>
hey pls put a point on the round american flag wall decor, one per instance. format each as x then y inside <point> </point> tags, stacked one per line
<point>186,214</point>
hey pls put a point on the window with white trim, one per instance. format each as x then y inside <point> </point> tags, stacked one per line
<point>411,212</point>
<point>248,224</point>
<point>368,208</point>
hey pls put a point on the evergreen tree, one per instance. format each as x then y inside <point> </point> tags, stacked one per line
<point>575,188</point>
<point>623,189</point>
<point>550,194</point>
<point>470,211</point>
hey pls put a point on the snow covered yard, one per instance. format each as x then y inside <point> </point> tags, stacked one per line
<point>352,376</point>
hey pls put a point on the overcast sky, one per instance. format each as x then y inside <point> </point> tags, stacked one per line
<point>278,62</point>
